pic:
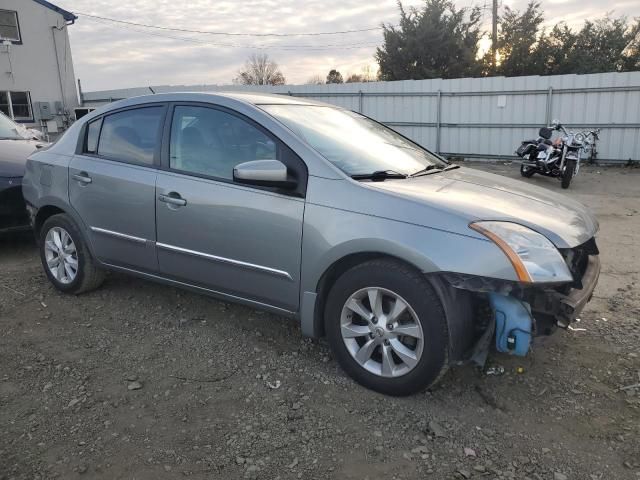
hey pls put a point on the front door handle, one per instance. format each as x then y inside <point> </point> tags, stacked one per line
<point>173,198</point>
<point>82,177</point>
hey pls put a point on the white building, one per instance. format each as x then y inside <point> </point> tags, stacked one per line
<point>37,81</point>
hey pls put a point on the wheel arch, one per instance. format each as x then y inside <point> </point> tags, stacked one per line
<point>328,278</point>
<point>51,206</point>
<point>43,214</point>
<point>458,304</point>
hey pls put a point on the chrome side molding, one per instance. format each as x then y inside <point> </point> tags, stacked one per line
<point>124,236</point>
<point>230,261</point>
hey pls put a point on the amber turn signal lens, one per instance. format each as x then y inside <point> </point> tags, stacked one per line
<point>521,270</point>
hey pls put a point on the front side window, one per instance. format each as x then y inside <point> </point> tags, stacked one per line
<point>355,144</point>
<point>16,105</point>
<point>210,142</point>
<point>9,29</point>
<point>131,135</point>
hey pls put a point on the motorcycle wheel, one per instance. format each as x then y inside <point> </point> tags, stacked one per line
<point>526,172</point>
<point>568,173</point>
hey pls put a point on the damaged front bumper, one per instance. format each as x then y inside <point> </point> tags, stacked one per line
<point>551,305</point>
<point>566,304</point>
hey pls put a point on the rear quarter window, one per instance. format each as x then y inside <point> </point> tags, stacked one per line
<point>131,135</point>
<point>93,132</point>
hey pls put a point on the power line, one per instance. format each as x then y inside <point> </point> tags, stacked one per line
<point>233,34</point>
<point>322,47</point>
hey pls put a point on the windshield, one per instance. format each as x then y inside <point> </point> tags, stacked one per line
<point>355,144</point>
<point>9,129</point>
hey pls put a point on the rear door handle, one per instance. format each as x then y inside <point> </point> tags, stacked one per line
<point>173,198</point>
<point>82,177</point>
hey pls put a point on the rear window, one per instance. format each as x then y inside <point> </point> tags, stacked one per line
<point>132,135</point>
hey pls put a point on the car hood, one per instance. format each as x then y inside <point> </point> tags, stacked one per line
<point>477,195</point>
<point>13,156</point>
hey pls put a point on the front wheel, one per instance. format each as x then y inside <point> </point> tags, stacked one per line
<point>387,328</point>
<point>567,175</point>
<point>526,172</point>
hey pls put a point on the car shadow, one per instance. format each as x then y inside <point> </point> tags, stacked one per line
<point>15,242</point>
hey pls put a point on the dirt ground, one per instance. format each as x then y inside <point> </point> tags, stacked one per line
<point>142,381</point>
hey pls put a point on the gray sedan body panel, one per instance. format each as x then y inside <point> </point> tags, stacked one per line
<point>231,237</point>
<point>270,249</point>
<point>46,180</point>
<point>118,207</point>
<point>340,220</point>
<point>474,195</point>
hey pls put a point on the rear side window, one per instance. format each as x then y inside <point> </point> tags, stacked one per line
<point>132,135</point>
<point>93,132</point>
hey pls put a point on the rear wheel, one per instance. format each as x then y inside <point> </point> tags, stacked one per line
<point>65,257</point>
<point>526,171</point>
<point>568,173</point>
<point>387,328</point>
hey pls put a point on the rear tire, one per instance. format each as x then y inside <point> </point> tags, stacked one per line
<point>66,260</point>
<point>405,352</point>
<point>568,173</point>
<point>526,172</point>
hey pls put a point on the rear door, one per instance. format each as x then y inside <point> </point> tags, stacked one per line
<point>235,239</point>
<point>112,185</point>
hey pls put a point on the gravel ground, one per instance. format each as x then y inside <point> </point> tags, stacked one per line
<point>138,380</point>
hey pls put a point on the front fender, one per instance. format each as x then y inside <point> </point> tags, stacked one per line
<point>332,234</point>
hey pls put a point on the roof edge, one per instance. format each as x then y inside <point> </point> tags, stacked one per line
<point>68,16</point>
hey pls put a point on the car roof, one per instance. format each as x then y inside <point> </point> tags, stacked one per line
<point>258,98</point>
<point>249,98</point>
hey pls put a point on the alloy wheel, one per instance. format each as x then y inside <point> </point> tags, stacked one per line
<point>61,255</point>
<point>381,332</point>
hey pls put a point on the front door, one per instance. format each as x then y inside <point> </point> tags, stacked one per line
<point>112,186</point>
<point>230,238</point>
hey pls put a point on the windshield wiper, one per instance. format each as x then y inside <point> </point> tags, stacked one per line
<point>379,175</point>
<point>432,169</point>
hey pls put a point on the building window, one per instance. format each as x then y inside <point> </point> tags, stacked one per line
<point>16,105</point>
<point>4,104</point>
<point>9,28</point>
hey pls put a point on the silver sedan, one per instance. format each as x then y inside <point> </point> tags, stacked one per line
<point>406,263</point>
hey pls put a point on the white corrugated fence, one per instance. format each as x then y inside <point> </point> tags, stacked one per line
<point>473,117</point>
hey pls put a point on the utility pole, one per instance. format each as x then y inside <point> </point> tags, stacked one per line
<point>494,33</point>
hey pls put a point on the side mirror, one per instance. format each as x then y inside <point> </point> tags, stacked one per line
<point>265,173</point>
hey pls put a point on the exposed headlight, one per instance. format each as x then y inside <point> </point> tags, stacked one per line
<point>533,256</point>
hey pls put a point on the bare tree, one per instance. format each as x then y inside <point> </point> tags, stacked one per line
<point>259,69</point>
<point>315,80</point>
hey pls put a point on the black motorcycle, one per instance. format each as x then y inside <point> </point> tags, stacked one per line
<point>561,160</point>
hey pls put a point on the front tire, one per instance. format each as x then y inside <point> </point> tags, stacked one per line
<point>387,328</point>
<point>65,257</point>
<point>567,175</point>
<point>526,172</point>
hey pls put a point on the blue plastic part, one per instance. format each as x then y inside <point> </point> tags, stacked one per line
<point>513,324</point>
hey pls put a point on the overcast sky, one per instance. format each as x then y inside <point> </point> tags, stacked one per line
<point>107,56</point>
